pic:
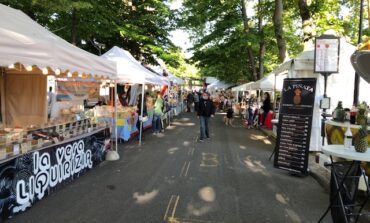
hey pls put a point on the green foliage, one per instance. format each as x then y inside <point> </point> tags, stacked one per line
<point>220,45</point>
<point>140,26</point>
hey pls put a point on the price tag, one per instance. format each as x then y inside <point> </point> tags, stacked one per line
<point>40,142</point>
<point>57,128</point>
<point>63,128</point>
<point>29,145</point>
<point>16,149</point>
<point>56,140</point>
<point>20,136</point>
<point>8,140</point>
<point>24,147</point>
<point>2,153</point>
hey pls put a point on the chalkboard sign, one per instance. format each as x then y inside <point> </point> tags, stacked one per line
<point>295,121</point>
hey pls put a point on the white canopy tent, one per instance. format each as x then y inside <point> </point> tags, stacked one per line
<point>218,85</point>
<point>339,88</point>
<point>171,77</point>
<point>24,41</point>
<point>129,70</point>
<point>271,82</point>
<point>243,87</point>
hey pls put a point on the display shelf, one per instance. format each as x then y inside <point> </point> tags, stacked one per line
<point>50,144</point>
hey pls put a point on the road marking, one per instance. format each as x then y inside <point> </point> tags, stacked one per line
<point>191,151</point>
<point>171,207</point>
<point>183,169</point>
<point>168,207</point>
<point>184,220</point>
<point>175,207</point>
<point>187,169</point>
<point>209,160</point>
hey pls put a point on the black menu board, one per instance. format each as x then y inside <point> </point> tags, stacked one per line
<point>295,121</point>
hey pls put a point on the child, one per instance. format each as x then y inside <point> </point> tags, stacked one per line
<point>229,116</point>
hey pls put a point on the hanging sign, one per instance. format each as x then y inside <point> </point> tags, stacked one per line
<point>327,54</point>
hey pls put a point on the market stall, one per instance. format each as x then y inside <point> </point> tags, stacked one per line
<point>130,71</point>
<point>339,84</point>
<point>38,155</point>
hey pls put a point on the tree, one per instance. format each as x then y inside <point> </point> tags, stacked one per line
<point>140,26</point>
<point>278,28</point>
<point>251,58</point>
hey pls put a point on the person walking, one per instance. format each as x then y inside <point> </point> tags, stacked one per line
<point>158,107</point>
<point>196,101</point>
<point>190,101</point>
<point>205,111</point>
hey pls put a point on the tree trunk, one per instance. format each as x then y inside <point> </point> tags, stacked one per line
<point>278,28</point>
<point>252,63</point>
<point>262,48</point>
<point>261,58</point>
<point>307,23</point>
<point>74,27</point>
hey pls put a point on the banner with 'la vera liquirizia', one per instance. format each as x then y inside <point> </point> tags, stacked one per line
<point>31,177</point>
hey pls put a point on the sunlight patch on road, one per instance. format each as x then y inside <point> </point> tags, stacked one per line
<point>281,198</point>
<point>172,150</point>
<point>183,124</point>
<point>171,127</point>
<point>145,198</point>
<point>264,139</point>
<point>198,209</point>
<point>293,217</point>
<point>207,194</point>
<point>242,147</point>
<point>255,166</point>
<point>186,143</point>
<point>160,135</point>
<point>185,119</point>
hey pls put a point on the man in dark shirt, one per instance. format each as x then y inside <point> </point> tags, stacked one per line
<point>190,101</point>
<point>205,111</point>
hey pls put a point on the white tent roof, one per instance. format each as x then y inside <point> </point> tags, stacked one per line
<point>171,77</point>
<point>218,85</point>
<point>243,87</point>
<point>24,41</point>
<point>129,70</point>
<point>270,83</point>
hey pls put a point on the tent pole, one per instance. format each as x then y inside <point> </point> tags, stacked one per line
<point>142,113</point>
<point>112,155</point>
<point>115,116</point>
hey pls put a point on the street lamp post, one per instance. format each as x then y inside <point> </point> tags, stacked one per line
<point>357,76</point>
<point>326,62</point>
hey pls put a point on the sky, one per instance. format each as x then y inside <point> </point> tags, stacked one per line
<point>180,37</point>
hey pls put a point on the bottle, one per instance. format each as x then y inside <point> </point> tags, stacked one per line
<point>348,138</point>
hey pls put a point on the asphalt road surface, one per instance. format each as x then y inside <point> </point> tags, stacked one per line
<point>174,178</point>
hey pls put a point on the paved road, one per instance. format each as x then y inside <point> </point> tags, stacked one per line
<point>174,178</point>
